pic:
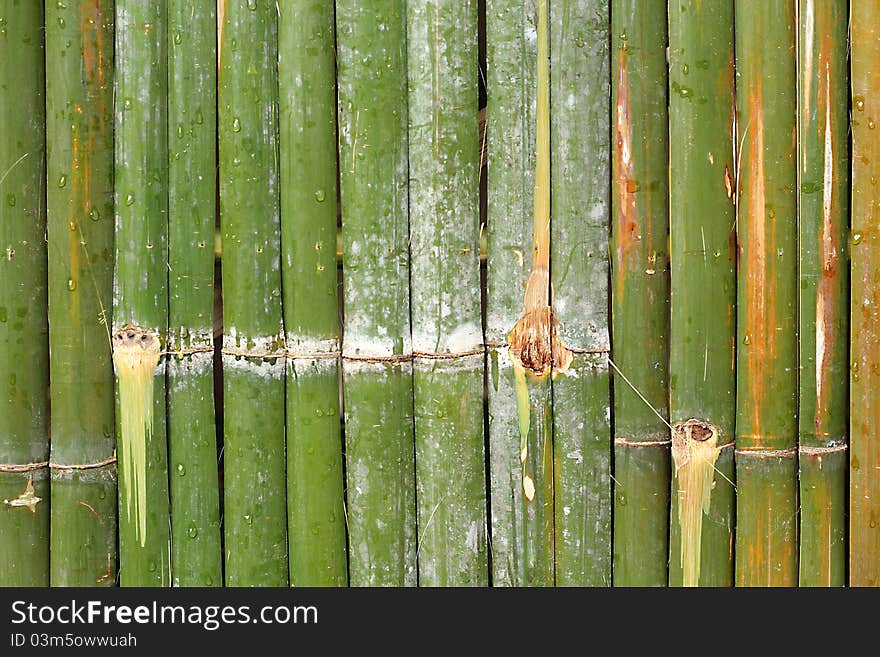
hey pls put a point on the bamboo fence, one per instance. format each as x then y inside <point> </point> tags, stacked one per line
<point>451,293</point>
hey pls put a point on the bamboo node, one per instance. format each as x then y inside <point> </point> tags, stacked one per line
<point>448,355</point>
<point>23,467</point>
<point>375,358</point>
<point>641,443</point>
<point>808,450</point>
<point>69,467</point>
<point>768,453</point>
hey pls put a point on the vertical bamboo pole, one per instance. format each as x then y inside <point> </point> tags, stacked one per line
<point>255,503</point>
<point>445,287</point>
<point>580,139</point>
<point>864,510</point>
<point>702,390</point>
<point>140,300</point>
<point>192,189</point>
<point>823,209</point>
<point>767,349</point>
<point>24,353</point>
<point>377,349</point>
<point>520,413</point>
<point>307,143</point>
<point>639,290</point>
<point>79,125</point>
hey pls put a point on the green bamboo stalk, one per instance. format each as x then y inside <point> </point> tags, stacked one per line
<point>79,125</point>
<point>445,287</point>
<point>371,50</point>
<point>823,210</point>
<point>196,555</point>
<point>864,487</point>
<point>255,505</point>
<point>580,138</point>
<point>307,141</point>
<point>703,291</point>
<point>639,289</point>
<point>24,352</point>
<point>520,404</point>
<point>140,302</point>
<point>766,420</point>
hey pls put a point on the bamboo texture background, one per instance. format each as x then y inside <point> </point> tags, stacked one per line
<point>445,293</point>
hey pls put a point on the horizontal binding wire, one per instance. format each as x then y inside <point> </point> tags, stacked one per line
<point>311,355</point>
<point>188,351</point>
<point>39,465</point>
<point>23,467</point>
<point>641,443</point>
<point>574,350</point>
<point>819,451</point>
<point>83,466</point>
<point>396,358</point>
<point>768,453</point>
<point>448,355</point>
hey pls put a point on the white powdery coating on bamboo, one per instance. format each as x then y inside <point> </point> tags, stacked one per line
<point>253,344</point>
<point>300,367</point>
<point>201,362</point>
<point>466,337</point>
<point>354,367</point>
<point>263,368</point>
<point>499,324</point>
<point>185,338</point>
<point>302,345</point>
<point>376,347</point>
<point>466,363</point>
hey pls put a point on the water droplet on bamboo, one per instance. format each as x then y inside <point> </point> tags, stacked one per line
<point>181,470</point>
<point>319,196</point>
<point>62,23</point>
<point>178,37</point>
<point>859,103</point>
<point>126,104</point>
<point>199,118</point>
<point>180,131</point>
<point>252,5</point>
<point>129,199</point>
<point>71,284</point>
<point>151,567</point>
<point>62,181</point>
<point>192,532</point>
<point>747,339</point>
<point>94,215</point>
<point>857,238</point>
<point>236,125</point>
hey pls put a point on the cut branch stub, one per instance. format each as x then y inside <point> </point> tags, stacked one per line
<point>534,340</point>
<point>694,452</point>
<point>135,356</point>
